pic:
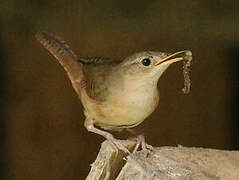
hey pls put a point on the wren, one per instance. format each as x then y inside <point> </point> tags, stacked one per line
<point>116,94</point>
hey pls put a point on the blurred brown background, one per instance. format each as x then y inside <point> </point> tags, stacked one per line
<point>41,130</point>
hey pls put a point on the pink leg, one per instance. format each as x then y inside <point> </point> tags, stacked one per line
<point>115,142</point>
<point>141,141</point>
<point>137,145</point>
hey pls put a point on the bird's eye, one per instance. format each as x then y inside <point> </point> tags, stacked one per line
<point>146,62</point>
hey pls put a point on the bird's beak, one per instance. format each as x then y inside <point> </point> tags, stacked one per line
<point>171,58</point>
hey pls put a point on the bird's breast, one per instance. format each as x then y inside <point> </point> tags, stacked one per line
<point>126,108</point>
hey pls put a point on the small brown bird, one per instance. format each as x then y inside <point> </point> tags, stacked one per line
<point>115,94</point>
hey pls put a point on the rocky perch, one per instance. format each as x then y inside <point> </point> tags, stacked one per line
<point>165,163</point>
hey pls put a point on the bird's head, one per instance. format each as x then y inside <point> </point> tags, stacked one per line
<point>150,65</point>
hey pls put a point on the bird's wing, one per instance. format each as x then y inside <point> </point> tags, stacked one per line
<point>91,73</point>
<point>66,57</point>
<point>97,76</point>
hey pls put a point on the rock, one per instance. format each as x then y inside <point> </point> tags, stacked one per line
<point>165,163</point>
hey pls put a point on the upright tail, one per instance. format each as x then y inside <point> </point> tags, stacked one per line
<point>66,57</point>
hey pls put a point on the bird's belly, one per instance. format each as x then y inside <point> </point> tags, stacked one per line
<point>125,112</point>
<point>120,116</point>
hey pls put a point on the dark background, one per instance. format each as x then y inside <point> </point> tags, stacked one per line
<point>41,127</point>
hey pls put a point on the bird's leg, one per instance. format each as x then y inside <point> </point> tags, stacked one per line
<point>140,141</point>
<point>137,145</point>
<point>144,145</point>
<point>115,142</point>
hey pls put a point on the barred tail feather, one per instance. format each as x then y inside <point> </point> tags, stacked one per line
<point>66,57</point>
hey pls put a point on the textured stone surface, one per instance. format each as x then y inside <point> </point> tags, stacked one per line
<point>165,163</point>
<point>108,162</point>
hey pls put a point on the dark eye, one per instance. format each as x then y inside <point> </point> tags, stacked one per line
<point>146,62</point>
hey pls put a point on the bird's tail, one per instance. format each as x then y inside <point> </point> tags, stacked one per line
<point>66,57</point>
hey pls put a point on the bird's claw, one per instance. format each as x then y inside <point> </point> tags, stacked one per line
<point>119,146</point>
<point>140,141</point>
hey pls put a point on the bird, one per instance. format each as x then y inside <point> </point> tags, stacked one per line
<point>115,94</point>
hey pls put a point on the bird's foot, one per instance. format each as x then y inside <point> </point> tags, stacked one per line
<point>140,141</point>
<point>117,144</point>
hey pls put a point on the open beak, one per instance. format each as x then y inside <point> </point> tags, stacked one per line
<point>173,57</point>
